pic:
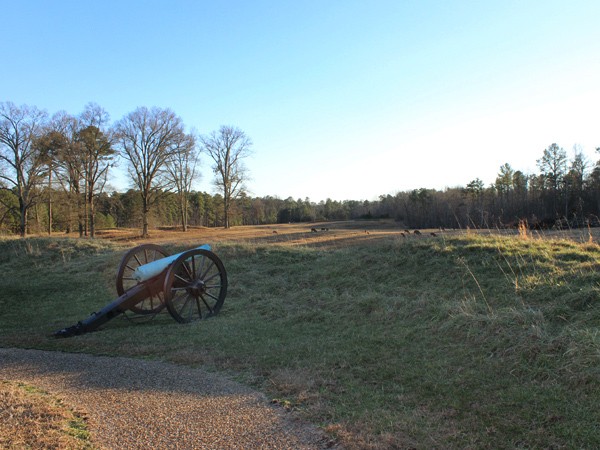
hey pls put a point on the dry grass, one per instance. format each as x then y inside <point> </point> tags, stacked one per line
<point>327,235</point>
<point>30,418</point>
<point>287,295</point>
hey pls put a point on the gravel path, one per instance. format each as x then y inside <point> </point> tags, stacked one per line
<point>132,404</point>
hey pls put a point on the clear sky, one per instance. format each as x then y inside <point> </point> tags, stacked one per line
<point>343,99</point>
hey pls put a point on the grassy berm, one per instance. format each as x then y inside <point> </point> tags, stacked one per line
<point>454,341</point>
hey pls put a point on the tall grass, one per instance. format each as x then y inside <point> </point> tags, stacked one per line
<point>450,342</point>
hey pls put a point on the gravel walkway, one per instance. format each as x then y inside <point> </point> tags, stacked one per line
<point>134,404</point>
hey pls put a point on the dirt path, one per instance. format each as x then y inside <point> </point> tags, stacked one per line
<point>132,404</point>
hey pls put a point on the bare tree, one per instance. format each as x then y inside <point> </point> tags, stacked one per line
<point>227,148</point>
<point>148,139</point>
<point>97,156</point>
<point>22,166</point>
<point>182,170</point>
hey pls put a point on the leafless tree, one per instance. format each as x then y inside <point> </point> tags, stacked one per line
<point>227,148</point>
<point>148,139</point>
<point>182,170</point>
<point>21,164</point>
<point>97,156</point>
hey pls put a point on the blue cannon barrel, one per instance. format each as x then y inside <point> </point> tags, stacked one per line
<point>152,269</point>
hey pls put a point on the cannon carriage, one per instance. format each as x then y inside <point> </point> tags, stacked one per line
<point>191,285</point>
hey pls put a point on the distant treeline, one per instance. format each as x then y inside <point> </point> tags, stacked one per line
<point>565,193</point>
<point>54,171</point>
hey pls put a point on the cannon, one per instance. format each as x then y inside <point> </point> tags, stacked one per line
<point>191,285</point>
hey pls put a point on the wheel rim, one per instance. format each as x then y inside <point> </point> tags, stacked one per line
<point>138,256</point>
<point>195,286</point>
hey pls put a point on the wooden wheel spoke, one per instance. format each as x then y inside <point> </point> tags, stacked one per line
<point>190,307</point>
<point>207,279</point>
<point>180,278</point>
<point>192,310</point>
<point>186,302</point>
<point>206,303</point>
<point>189,273</point>
<point>201,268</point>
<point>154,300</point>
<point>211,265</point>
<point>199,307</point>
<point>193,268</point>
<point>210,294</point>
<point>178,289</point>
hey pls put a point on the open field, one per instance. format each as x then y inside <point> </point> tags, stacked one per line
<point>458,340</point>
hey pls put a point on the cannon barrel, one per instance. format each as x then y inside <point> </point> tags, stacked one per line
<point>147,271</point>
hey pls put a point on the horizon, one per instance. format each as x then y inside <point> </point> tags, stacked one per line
<point>343,100</point>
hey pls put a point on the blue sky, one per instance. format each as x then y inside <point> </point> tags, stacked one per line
<point>342,99</point>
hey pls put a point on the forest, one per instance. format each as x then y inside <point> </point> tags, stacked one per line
<point>54,172</point>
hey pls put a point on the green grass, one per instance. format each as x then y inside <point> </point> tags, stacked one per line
<point>461,342</point>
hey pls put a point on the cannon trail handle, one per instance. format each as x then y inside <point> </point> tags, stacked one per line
<point>118,306</point>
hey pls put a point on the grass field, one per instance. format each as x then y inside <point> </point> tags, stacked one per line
<point>459,340</point>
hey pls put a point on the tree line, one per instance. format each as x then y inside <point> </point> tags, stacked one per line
<point>564,193</point>
<point>60,165</point>
<point>53,175</point>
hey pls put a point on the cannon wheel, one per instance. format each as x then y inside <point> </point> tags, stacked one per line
<point>195,286</point>
<point>138,256</point>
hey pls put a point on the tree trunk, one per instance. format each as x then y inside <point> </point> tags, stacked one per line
<point>92,215</point>
<point>225,211</point>
<point>145,225</point>
<point>69,227</point>
<point>50,202</point>
<point>80,215</point>
<point>184,213</point>
<point>85,211</point>
<point>23,218</point>
<point>145,211</point>
<point>38,223</point>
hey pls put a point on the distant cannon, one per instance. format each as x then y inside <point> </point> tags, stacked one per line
<point>192,285</point>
